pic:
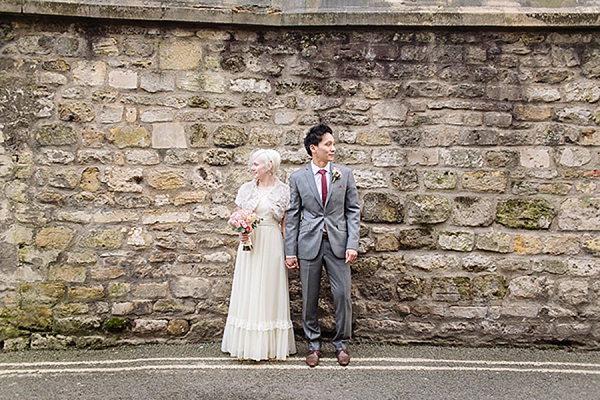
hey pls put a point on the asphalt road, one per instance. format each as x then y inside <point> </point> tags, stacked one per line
<point>375,372</point>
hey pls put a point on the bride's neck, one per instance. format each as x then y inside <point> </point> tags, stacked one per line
<point>267,182</point>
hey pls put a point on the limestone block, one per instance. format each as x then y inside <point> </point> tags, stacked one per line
<point>490,286</point>
<point>89,73</point>
<point>527,245</point>
<point>494,241</point>
<point>142,157</point>
<point>521,310</point>
<point>551,266</point>
<point>463,118</point>
<point>583,267</point>
<point>431,262</point>
<point>123,179</point>
<point>386,243</point>
<point>118,289</point>
<point>542,94</point>
<point>262,136</point>
<point>382,207</point>
<point>17,191</point>
<point>451,289</point>
<point>501,120</point>
<point>405,179</point>
<point>380,90</point>
<point>58,237</point>
<point>394,157</point>
<point>56,135</point>
<point>389,113</point>
<point>462,158</point>
<point>558,244</point>
<point>410,287</point>
<point>139,238</point>
<point>38,257</point>
<point>157,115</point>
<point>426,209</point>
<point>157,82</point>
<point>440,180</point>
<point>525,213</point>
<point>103,239</point>
<point>573,115</point>
<point>218,257</point>
<point>574,157</point>
<point>198,136</point>
<point>123,79</point>
<point>151,290</point>
<point>531,113</point>
<point>581,92</point>
<point>81,258</point>
<point>485,181</point>
<point>35,317</point>
<point>573,292</point>
<point>83,292</point>
<point>17,235</point>
<point>76,112</point>
<point>147,326</point>
<point>129,136</point>
<point>168,136</point>
<point>180,55</point>
<point>41,294</point>
<point>479,263</point>
<point>457,241</point>
<point>166,179</point>
<point>111,114</point>
<point>178,327</point>
<point>250,85</point>
<point>198,288</point>
<point>122,308</point>
<point>531,287</point>
<point>369,179</point>
<point>165,217</point>
<point>116,216</point>
<point>378,137</point>
<point>105,47</point>
<point>580,214</point>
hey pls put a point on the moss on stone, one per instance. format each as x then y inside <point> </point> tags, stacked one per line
<point>115,324</point>
<point>525,214</point>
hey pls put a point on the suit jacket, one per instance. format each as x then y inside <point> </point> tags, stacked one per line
<point>307,215</point>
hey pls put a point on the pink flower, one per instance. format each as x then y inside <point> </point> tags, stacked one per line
<point>336,174</point>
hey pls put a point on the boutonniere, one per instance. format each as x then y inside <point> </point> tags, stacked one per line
<point>336,174</point>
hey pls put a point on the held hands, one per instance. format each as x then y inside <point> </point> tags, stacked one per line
<point>244,237</point>
<point>351,255</point>
<point>291,263</point>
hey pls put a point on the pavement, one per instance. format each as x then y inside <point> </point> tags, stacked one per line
<point>376,372</point>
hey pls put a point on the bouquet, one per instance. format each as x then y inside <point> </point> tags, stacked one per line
<point>244,221</point>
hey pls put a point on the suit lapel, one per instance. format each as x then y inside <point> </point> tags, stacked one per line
<point>331,185</point>
<point>310,181</point>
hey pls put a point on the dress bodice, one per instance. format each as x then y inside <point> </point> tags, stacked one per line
<point>264,211</point>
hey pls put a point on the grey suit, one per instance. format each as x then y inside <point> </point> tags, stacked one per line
<point>304,239</point>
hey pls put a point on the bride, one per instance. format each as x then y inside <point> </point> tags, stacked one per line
<point>258,324</point>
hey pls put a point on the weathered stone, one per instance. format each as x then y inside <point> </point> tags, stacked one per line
<point>494,241</point>
<point>386,243</point>
<point>426,209</point>
<point>128,136</point>
<point>378,138</point>
<point>440,179</point>
<point>489,287</point>
<point>179,55</point>
<point>411,287</point>
<point>147,326</point>
<point>165,217</point>
<point>56,135</point>
<point>583,267</point>
<point>166,179</point>
<point>229,136</point>
<point>557,244</point>
<point>382,207</point>
<point>450,289</point>
<point>58,237</point>
<point>388,157</point>
<point>76,112</point>
<point>104,239</point>
<point>89,73</point>
<point>573,292</point>
<point>555,267</point>
<point>485,181</point>
<point>41,294</point>
<point>123,179</point>
<point>405,179</point>
<point>168,136</point>
<point>389,114</point>
<point>457,241</point>
<point>530,287</point>
<point>418,238</point>
<point>432,261</point>
<point>151,290</point>
<point>198,288</point>
<point>178,327</point>
<point>250,85</point>
<point>82,292</point>
<point>525,214</point>
<point>579,214</point>
<point>527,245</point>
<point>369,179</point>
<point>38,257</point>
<point>462,158</point>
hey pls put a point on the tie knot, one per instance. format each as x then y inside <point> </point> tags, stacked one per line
<point>322,172</point>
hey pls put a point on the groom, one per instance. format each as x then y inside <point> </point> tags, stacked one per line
<point>322,228</point>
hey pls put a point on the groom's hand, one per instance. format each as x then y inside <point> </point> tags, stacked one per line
<point>291,263</point>
<point>351,255</point>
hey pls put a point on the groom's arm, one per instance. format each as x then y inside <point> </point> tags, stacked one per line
<point>352,215</point>
<point>292,223</point>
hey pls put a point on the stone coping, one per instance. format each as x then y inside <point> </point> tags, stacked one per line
<point>390,15</point>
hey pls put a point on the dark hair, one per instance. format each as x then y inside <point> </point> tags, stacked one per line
<point>315,135</point>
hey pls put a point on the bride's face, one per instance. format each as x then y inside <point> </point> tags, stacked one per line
<point>259,169</point>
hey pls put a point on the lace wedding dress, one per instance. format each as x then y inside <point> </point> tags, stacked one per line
<point>258,324</point>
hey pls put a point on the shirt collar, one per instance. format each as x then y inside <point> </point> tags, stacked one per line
<point>316,169</point>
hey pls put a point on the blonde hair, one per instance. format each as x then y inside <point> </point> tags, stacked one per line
<point>267,156</point>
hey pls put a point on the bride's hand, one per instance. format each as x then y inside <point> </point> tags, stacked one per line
<point>243,237</point>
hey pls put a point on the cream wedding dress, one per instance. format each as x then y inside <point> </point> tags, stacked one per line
<point>258,324</point>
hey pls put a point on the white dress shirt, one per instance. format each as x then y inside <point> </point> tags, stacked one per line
<point>317,176</point>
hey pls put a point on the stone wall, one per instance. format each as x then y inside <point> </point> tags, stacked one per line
<point>123,145</point>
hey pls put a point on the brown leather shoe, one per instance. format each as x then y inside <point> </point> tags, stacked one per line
<point>343,357</point>
<point>312,359</point>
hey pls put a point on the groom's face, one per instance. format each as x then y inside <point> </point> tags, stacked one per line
<point>325,150</point>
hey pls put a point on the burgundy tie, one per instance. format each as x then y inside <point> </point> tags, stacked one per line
<point>323,185</point>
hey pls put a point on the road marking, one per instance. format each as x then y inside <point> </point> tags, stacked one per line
<point>219,363</point>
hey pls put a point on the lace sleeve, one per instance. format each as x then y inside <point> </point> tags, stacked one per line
<point>244,198</point>
<point>279,200</point>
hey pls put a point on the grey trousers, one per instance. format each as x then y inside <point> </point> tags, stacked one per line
<point>338,273</point>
